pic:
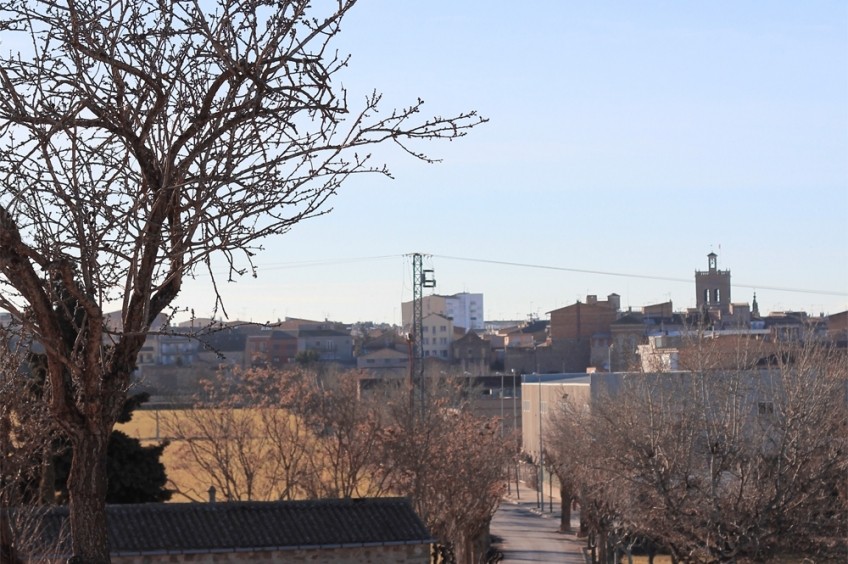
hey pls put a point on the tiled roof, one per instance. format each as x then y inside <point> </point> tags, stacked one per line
<point>258,526</point>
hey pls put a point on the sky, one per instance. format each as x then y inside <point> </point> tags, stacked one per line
<point>625,142</point>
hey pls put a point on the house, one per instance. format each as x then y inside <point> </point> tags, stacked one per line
<point>273,348</point>
<point>438,336</point>
<point>332,345</point>
<point>472,353</point>
<point>383,359</point>
<point>837,328</point>
<point>328,530</point>
<point>278,346</point>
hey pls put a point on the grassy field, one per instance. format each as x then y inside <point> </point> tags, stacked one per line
<point>150,427</point>
<point>186,475</point>
<point>145,425</point>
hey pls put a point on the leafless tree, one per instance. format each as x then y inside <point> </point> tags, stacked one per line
<point>451,463</point>
<point>27,447</point>
<point>722,465</point>
<point>345,458</point>
<point>140,139</point>
<point>264,434</point>
<point>566,424</point>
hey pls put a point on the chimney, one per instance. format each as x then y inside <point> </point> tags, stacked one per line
<point>591,299</point>
<point>211,491</point>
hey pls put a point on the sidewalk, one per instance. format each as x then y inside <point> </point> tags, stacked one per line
<point>530,534</point>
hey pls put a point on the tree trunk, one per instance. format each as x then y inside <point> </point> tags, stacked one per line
<point>87,498</point>
<point>603,546</point>
<point>565,517</point>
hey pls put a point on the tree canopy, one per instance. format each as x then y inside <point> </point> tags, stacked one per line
<point>140,139</point>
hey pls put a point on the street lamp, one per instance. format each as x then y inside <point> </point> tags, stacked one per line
<point>541,451</point>
<point>515,431</point>
<point>502,411</point>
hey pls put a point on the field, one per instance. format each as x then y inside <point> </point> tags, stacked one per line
<point>191,458</point>
<point>150,426</point>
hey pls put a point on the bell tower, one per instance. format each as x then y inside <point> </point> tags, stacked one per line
<point>712,287</point>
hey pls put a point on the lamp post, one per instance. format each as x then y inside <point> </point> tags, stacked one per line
<point>514,431</point>
<point>541,450</point>
<point>502,411</point>
<point>508,487</point>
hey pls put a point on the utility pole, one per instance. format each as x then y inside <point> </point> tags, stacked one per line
<point>421,279</point>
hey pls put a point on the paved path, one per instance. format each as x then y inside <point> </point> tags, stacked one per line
<point>529,535</point>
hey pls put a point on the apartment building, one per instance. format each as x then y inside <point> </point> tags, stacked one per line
<point>465,309</point>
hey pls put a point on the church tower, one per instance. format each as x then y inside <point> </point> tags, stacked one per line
<point>712,287</point>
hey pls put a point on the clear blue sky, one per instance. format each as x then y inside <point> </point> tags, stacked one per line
<point>629,138</point>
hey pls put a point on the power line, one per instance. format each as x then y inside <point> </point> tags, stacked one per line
<point>341,261</point>
<point>640,276</point>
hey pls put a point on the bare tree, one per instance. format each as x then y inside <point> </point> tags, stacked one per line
<point>722,465</point>
<point>345,457</point>
<point>141,139</point>
<point>566,423</point>
<point>27,447</point>
<point>263,434</point>
<point>451,464</point>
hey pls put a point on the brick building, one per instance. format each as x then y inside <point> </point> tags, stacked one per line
<point>582,320</point>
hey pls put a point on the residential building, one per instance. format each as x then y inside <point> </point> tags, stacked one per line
<point>382,359</point>
<point>274,348</point>
<point>330,344</point>
<point>572,331</point>
<point>472,353</point>
<point>582,320</point>
<point>837,328</point>
<point>465,309</point>
<point>438,336</point>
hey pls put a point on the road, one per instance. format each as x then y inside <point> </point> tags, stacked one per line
<point>528,536</point>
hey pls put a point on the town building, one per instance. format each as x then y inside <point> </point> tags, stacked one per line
<point>465,309</point>
<point>438,336</point>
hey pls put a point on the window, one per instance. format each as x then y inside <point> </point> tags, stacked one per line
<point>525,405</point>
<point>443,328</point>
<point>765,408</point>
<point>443,341</point>
<point>544,407</point>
<point>369,361</point>
<point>444,354</point>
